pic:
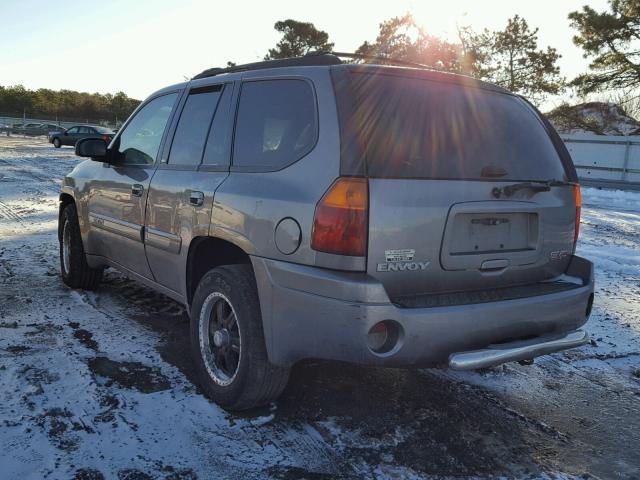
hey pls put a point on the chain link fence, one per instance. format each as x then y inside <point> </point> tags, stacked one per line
<point>25,125</point>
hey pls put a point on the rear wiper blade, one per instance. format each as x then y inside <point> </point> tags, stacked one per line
<point>560,183</point>
<point>509,190</point>
<point>535,185</point>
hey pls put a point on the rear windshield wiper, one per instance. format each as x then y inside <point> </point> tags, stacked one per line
<point>509,190</point>
<point>534,185</point>
<point>561,183</point>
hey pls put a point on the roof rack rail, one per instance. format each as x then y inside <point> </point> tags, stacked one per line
<point>313,59</point>
<point>316,58</point>
<point>377,58</point>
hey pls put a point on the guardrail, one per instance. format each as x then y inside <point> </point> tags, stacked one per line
<point>606,161</point>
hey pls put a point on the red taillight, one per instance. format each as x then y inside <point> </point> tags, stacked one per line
<point>341,221</point>
<point>106,138</point>
<point>578,208</point>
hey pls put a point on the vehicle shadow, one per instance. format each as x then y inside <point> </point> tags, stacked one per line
<point>390,421</point>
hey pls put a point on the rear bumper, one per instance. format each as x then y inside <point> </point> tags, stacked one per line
<point>518,350</point>
<point>311,312</point>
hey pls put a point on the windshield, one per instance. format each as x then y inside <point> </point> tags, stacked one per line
<point>416,128</point>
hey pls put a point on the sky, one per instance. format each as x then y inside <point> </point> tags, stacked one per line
<point>139,46</point>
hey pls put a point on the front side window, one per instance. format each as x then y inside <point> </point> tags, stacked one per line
<point>73,130</point>
<point>192,129</point>
<point>276,124</point>
<point>140,140</point>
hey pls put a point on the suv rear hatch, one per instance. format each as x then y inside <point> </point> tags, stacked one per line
<point>467,189</point>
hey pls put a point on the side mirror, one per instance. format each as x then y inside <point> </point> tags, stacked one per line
<point>66,133</point>
<point>95,148</point>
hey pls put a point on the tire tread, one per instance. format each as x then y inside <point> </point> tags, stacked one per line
<point>261,382</point>
<point>81,275</point>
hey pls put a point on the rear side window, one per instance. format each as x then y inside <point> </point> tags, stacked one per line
<point>193,126</point>
<point>217,150</point>
<point>276,124</point>
<point>415,128</point>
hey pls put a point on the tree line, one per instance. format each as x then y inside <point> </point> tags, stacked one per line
<point>509,57</point>
<point>65,104</point>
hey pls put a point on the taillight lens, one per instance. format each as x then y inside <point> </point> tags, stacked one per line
<point>578,208</point>
<point>106,138</point>
<point>341,220</point>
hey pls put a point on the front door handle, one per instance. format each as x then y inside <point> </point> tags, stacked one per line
<point>196,198</point>
<point>137,190</point>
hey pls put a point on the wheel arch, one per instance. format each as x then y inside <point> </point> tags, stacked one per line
<point>206,253</point>
<point>65,199</point>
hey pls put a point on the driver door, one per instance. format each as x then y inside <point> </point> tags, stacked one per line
<point>118,194</point>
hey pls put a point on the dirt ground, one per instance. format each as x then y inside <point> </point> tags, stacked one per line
<point>100,385</point>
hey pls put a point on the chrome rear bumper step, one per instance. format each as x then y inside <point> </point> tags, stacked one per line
<point>516,351</point>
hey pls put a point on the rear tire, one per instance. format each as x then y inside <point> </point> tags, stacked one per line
<point>76,273</point>
<point>227,341</point>
<point>56,142</point>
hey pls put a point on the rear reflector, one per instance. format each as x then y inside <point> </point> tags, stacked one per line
<point>578,209</point>
<point>377,336</point>
<point>341,220</point>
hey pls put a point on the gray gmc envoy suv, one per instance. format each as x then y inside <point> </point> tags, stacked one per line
<point>310,208</point>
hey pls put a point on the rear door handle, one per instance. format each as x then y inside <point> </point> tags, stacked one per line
<point>196,198</point>
<point>137,190</point>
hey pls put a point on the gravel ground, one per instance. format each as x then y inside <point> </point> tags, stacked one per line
<point>99,385</point>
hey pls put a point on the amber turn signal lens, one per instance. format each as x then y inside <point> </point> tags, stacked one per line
<point>341,219</point>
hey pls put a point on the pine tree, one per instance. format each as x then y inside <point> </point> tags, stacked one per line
<point>402,39</point>
<point>611,39</point>
<point>516,63</point>
<point>298,38</point>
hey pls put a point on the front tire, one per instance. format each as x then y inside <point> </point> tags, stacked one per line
<point>56,142</point>
<point>227,341</point>
<point>76,273</point>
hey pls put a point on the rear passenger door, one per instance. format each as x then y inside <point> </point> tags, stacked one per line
<point>86,132</point>
<point>194,163</point>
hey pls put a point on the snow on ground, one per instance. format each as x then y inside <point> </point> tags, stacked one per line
<point>99,385</point>
<point>601,382</point>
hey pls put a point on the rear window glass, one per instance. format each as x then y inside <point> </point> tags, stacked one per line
<point>276,124</point>
<point>415,128</point>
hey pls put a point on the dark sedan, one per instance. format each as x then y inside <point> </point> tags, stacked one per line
<point>73,134</point>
